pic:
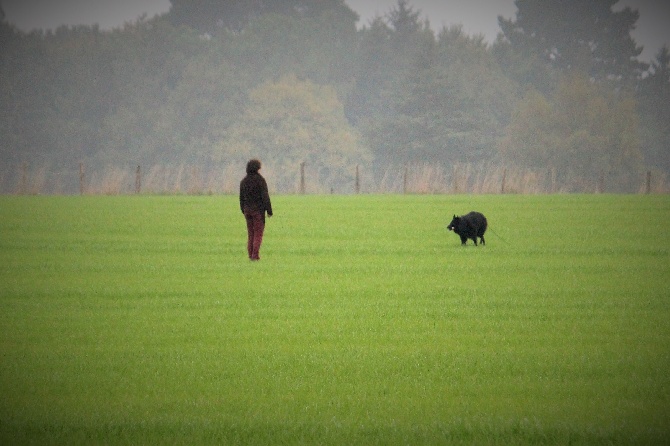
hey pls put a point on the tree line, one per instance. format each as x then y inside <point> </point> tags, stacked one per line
<point>295,81</point>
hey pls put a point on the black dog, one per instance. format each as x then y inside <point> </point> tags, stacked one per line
<point>469,226</point>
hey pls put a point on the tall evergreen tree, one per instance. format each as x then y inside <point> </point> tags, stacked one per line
<point>422,99</point>
<point>212,16</point>
<point>654,105</point>
<point>576,35</point>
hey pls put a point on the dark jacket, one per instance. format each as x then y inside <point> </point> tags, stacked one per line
<point>254,194</point>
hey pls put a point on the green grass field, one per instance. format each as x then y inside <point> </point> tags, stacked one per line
<point>139,320</point>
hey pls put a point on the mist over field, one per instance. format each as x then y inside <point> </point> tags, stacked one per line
<point>561,102</point>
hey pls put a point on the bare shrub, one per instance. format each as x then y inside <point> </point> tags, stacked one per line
<point>29,183</point>
<point>38,181</point>
<point>427,179</point>
<point>114,181</point>
<point>393,180</point>
<point>231,179</point>
<point>194,181</point>
<point>658,183</point>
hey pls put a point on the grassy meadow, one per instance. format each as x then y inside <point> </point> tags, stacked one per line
<point>139,320</point>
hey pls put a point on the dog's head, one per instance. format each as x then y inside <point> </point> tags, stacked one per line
<point>454,223</point>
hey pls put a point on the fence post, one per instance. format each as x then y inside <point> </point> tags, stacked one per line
<point>138,180</point>
<point>302,178</point>
<point>195,186</point>
<point>23,185</point>
<point>553,180</point>
<point>600,188</point>
<point>502,187</point>
<point>82,178</point>
<point>358,181</point>
<point>455,179</point>
<point>404,182</point>
<point>648,188</point>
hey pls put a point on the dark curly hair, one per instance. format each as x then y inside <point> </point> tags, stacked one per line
<point>253,166</point>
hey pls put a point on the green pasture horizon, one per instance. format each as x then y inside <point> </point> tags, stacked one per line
<point>139,319</point>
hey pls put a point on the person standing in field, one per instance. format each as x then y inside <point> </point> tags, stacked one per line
<point>254,203</point>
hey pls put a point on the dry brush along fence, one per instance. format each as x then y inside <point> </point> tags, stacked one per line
<point>408,179</point>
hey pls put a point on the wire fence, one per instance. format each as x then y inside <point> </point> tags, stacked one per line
<point>418,178</point>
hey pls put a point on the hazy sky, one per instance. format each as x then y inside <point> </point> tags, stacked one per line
<point>476,16</point>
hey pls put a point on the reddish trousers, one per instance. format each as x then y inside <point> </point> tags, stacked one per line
<point>255,228</point>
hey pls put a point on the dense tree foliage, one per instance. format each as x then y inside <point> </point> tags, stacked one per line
<point>576,35</point>
<point>450,107</point>
<point>292,122</point>
<point>583,132</point>
<point>295,81</point>
<point>216,16</point>
<point>655,111</point>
